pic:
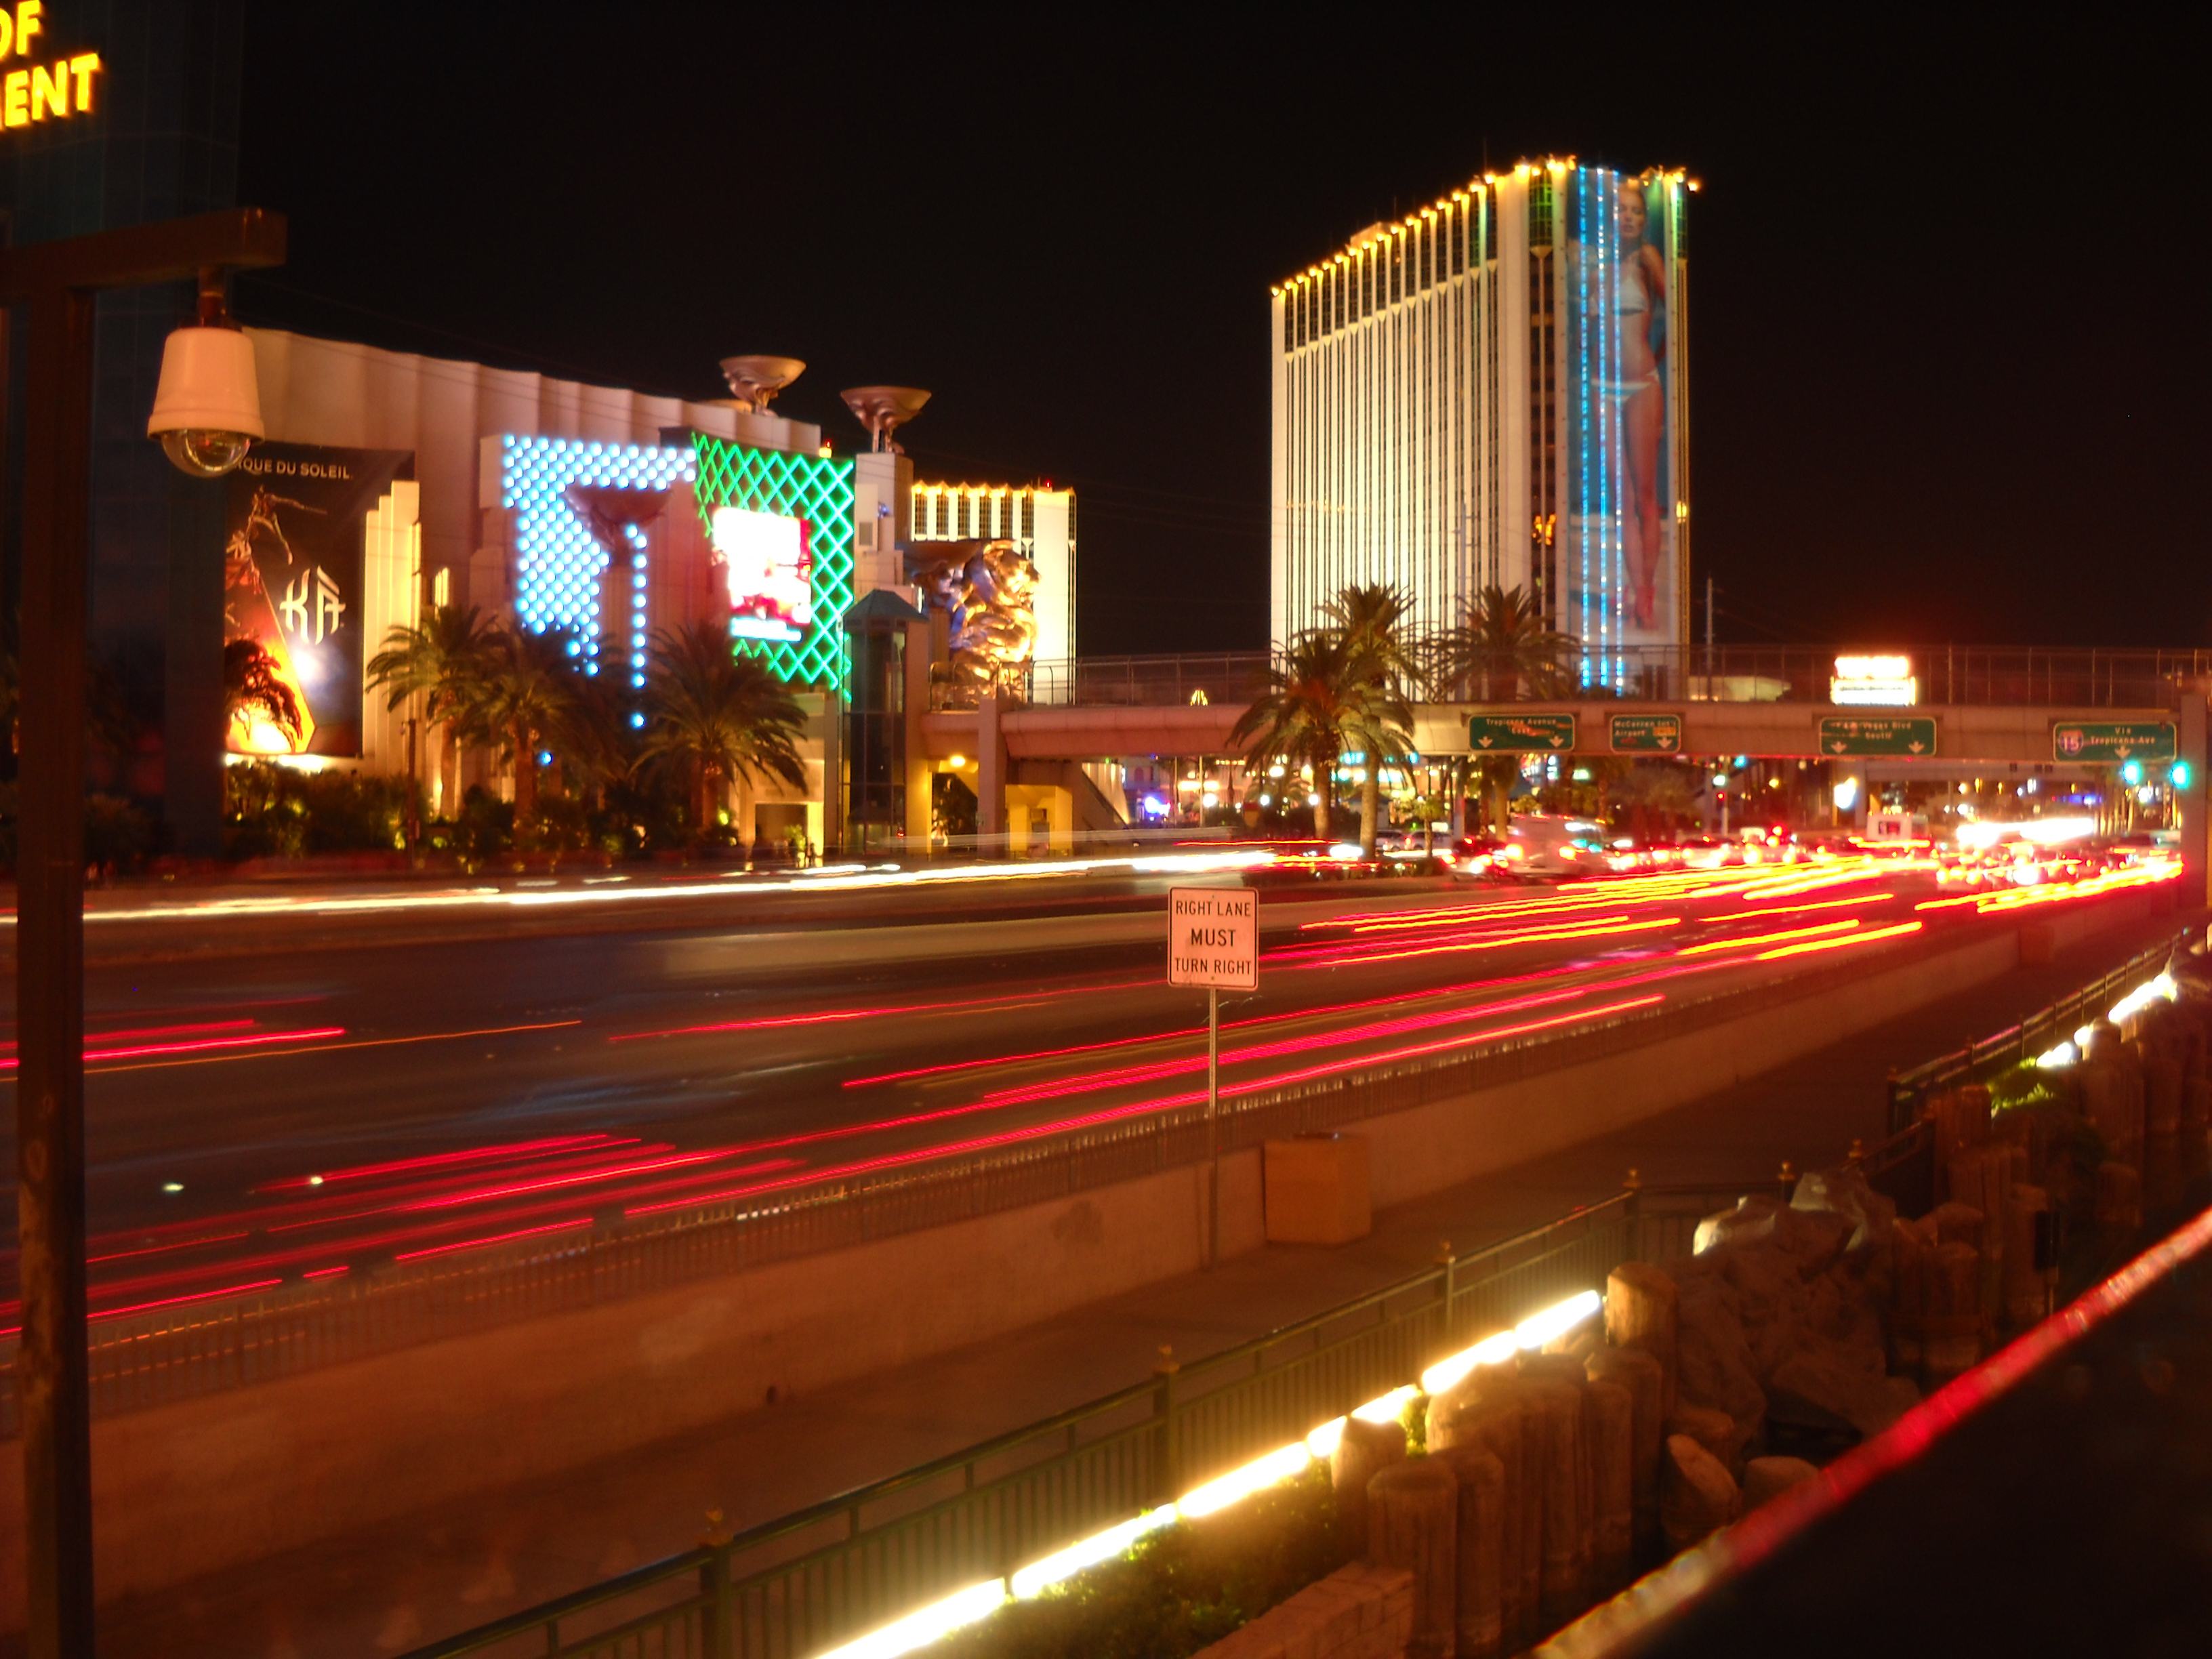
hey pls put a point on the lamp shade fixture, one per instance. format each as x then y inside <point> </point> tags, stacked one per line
<point>207,409</point>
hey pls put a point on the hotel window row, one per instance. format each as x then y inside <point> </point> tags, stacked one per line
<point>1493,393</point>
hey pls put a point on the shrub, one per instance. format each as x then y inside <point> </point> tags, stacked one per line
<point>484,830</point>
<point>278,811</point>
<point>118,834</point>
<point>1178,1589</point>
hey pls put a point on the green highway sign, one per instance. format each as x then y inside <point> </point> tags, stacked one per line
<point>2112,740</point>
<point>1877,734</point>
<point>1645,734</point>
<point>1520,734</point>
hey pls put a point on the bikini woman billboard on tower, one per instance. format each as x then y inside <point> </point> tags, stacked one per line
<point>1621,275</point>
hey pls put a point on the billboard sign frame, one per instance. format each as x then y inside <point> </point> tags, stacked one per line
<point>1541,732</point>
<point>1893,737</point>
<point>2109,742</point>
<point>296,587</point>
<point>1644,734</point>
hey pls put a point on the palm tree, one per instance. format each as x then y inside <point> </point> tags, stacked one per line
<point>596,746</point>
<point>1371,620</point>
<point>252,686</point>
<point>1657,794</point>
<point>1503,651</point>
<point>443,661</point>
<point>719,714</point>
<point>530,692</point>
<point>1300,711</point>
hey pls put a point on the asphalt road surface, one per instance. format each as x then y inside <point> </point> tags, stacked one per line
<point>296,1085</point>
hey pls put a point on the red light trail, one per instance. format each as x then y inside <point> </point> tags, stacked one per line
<point>263,1037</point>
<point>1641,932</point>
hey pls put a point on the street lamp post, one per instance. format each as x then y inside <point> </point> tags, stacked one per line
<point>57,283</point>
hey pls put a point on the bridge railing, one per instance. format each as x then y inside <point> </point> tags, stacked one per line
<point>2006,676</point>
<point>1226,677</point>
<point>1984,1058</point>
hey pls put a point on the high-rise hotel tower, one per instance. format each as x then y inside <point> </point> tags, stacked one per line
<point>1494,392</point>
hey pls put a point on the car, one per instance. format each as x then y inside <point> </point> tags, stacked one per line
<point>1479,857</point>
<point>1709,852</point>
<point>1815,844</point>
<point>1542,845</point>
<point>1636,856</point>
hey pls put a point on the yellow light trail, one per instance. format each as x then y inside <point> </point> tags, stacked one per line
<point>1866,937</point>
<point>333,1048</point>
<point>1747,942</point>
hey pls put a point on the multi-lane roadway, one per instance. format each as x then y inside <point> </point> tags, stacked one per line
<point>302,1085</point>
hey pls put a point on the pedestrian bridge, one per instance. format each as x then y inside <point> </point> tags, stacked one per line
<point>1920,709</point>
<point>2019,705</point>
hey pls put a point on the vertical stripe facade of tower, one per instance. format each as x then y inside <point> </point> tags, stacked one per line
<point>1451,411</point>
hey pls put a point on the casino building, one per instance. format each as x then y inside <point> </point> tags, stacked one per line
<point>393,482</point>
<point>1494,392</point>
<point>390,482</point>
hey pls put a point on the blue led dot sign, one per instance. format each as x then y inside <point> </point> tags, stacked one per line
<point>560,567</point>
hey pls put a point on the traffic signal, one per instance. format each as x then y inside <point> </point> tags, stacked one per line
<point>2132,772</point>
<point>2180,776</point>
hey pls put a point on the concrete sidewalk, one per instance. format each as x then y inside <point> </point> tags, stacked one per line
<point>398,1584</point>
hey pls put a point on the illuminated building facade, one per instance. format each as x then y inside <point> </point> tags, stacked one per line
<point>1494,392</point>
<point>115,115</point>
<point>1040,521</point>
<point>586,508</point>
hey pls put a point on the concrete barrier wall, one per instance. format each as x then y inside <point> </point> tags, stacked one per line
<point>231,1478</point>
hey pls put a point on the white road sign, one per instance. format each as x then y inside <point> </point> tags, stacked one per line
<point>1213,938</point>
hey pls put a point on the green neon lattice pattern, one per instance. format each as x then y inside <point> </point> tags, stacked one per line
<point>800,487</point>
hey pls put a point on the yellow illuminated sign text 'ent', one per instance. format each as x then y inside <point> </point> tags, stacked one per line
<point>55,91</point>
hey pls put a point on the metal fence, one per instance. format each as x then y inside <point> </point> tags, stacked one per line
<point>810,1581</point>
<point>785,1590</point>
<point>152,1358</point>
<point>1984,1058</point>
<point>2004,676</point>
<point>1229,677</point>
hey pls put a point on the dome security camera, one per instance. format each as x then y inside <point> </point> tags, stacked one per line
<point>207,408</point>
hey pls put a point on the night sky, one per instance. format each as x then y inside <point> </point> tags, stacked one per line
<point>1950,285</point>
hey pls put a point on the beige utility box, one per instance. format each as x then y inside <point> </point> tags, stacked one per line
<point>1318,1190</point>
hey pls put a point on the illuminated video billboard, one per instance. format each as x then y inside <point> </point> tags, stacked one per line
<point>293,600</point>
<point>765,561</point>
<point>792,587</point>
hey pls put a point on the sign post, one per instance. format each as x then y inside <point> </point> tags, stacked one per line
<point>56,282</point>
<point>1213,940</point>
